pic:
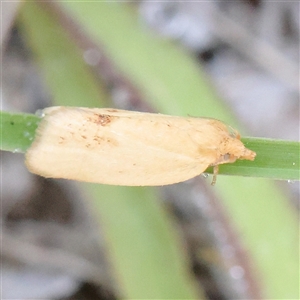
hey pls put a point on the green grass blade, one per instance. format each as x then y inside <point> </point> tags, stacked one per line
<point>17,131</point>
<point>69,78</point>
<point>148,238</point>
<point>275,159</point>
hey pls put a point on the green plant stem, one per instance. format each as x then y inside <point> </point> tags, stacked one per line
<point>275,159</point>
<point>17,131</point>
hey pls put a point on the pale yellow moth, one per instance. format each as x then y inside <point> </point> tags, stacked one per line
<point>119,147</point>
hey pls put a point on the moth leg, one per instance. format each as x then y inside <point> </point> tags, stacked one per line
<point>216,171</point>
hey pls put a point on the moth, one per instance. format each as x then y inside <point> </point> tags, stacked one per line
<point>119,147</point>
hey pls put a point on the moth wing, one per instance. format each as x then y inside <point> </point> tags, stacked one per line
<point>114,147</point>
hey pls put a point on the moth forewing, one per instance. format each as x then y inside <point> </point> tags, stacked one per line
<point>120,147</point>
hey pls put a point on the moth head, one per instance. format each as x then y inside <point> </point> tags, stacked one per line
<point>238,150</point>
<point>232,149</point>
<point>248,154</point>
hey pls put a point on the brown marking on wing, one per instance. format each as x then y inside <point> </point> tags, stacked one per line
<point>101,119</point>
